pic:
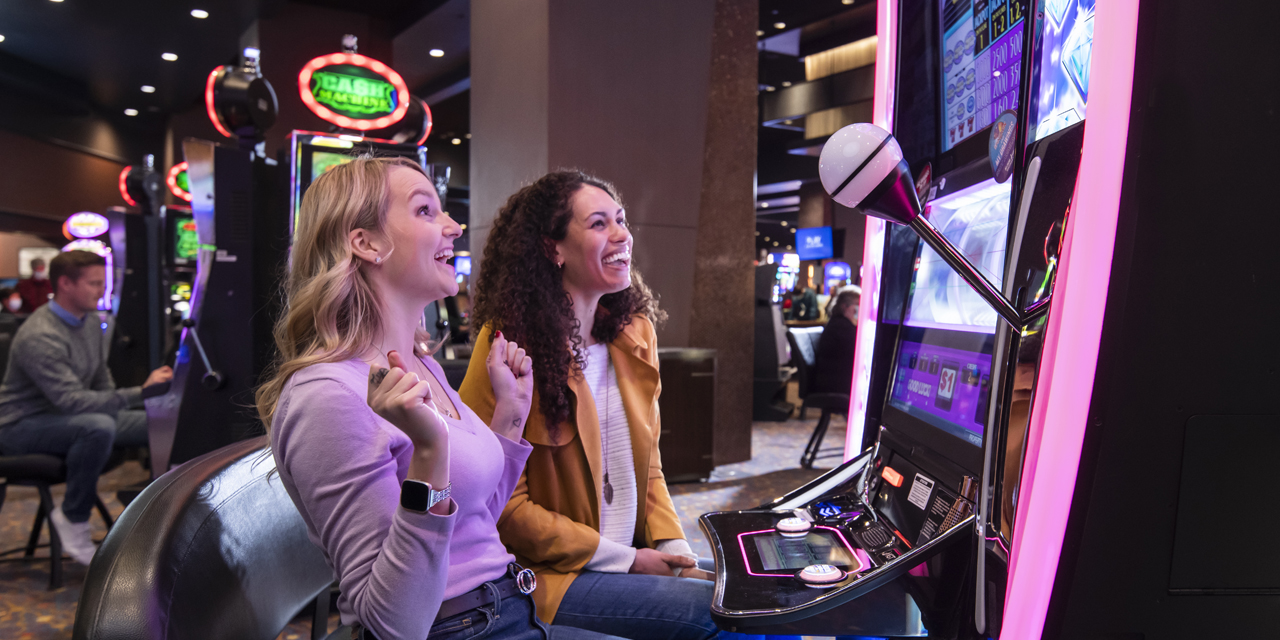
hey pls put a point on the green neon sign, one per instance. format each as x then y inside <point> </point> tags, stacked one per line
<point>346,90</point>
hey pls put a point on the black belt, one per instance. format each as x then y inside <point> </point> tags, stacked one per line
<point>517,581</point>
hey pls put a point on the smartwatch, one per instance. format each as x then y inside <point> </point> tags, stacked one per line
<point>418,496</point>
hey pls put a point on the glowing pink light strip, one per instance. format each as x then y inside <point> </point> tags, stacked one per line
<point>742,546</point>
<point>873,246</point>
<point>1065,383</point>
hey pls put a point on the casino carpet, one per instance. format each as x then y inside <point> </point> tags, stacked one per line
<point>30,612</point>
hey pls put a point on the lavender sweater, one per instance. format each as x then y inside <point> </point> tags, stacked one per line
<point>343,465</point>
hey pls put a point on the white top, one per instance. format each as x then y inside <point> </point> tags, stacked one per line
<point>617,519</point>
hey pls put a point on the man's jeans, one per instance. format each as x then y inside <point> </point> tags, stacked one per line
<point>84,440</point>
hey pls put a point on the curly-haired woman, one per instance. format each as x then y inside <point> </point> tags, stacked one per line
<point>399,483</point>
<point>591,515</point>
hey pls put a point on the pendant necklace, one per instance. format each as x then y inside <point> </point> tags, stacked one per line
<point>608,488</point>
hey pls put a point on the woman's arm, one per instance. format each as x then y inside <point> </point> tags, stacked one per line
<point>391,563</point>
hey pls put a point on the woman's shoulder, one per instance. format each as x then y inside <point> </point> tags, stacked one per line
<point>640,331</point>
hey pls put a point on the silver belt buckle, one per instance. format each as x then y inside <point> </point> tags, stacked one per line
<point>526,581</point>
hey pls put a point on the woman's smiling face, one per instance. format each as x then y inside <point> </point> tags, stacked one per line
<point>421,235</point>
<point>596,250</point>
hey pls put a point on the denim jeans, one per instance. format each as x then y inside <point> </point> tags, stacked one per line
<point>639,607</point>
<point>84,440</point>
<point>506,619</point>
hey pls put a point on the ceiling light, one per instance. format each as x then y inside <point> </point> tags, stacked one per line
<point>846,1</point>
<point>784,223</point>
<point>1,38</point>
<point>764,205</point>
<point>171,57</point>
<point>770,88</point>
<point>55,0</point>
<point>786,83</point>
<point>456,141</point>
<point>146,88</point>
<point>436,53</point>
<point>779,25</point>
<point>793,231</point>
<point>766,238</point>
<point>759,33</point>
<point>199,13</point>
<point>468,136</point>
<point>757,233</point>
<point>775,244</point>
<point>788,247</point>
<point>127,112</point>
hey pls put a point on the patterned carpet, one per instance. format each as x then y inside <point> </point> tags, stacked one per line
<point>28,611</point>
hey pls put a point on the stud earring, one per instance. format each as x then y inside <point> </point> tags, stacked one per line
<point>377,260</point>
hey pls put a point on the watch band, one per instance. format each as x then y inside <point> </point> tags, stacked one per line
<point>416,495</point>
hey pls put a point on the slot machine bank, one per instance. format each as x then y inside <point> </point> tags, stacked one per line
<point>1058,453</point>
<point>227,255</point>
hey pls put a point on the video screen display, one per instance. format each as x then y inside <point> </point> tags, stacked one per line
<point>943,371</point>
<point>976,220</point>
<point>981,63</point>
<point>322,161</point>
<point>186,243</point>
<point>814,243</point>
<point>793,554</point>
<point>1060,67</point>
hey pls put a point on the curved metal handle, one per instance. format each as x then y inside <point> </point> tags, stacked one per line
<point>212,379</point>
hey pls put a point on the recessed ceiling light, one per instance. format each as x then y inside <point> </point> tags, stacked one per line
<point>770,88</point>
<point>1,38</point>
<point>757,233</point>
<point>766,238</point>
<point>171,57</point>
<point>793,231</point>
<point>779,25</point>
<point>846,1</point>
<point>146,88</point>
<point>55,0</point>
<point>468,136</point>
<point>127,112</point>
<point>456,141</point>
<point>764,205</point>
<point>199,13</point>
<point>759,33</point>
<point>786,83</point>
<point>788,247</point>
<point>775,243</point>
<point>436,53</point>
<point>784,223</point>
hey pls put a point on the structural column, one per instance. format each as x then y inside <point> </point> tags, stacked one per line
<point>658,97</point>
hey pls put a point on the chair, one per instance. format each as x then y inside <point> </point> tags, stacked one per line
<point>42,472</point>
<point>803,352</point>
<point>213,549</point>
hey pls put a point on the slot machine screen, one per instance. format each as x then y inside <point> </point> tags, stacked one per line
<point>186,244</point>
<point>981,50</point>
<point>314,154</point>
<point>1061,55</point>
<point>942,376</point>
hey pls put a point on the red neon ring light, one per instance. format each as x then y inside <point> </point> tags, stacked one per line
<point>124,187</point>
<point>427,130</point>
<point>172,181</point>
<point>357,60</point>
<point>208,103</point>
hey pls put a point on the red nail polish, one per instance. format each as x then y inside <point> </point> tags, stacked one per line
<point>499,334</point>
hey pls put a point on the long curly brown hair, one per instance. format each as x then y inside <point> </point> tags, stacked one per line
<point>520,291</point>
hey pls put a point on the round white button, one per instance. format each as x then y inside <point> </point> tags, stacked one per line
<point>820,574</point>
<point>793,527</point>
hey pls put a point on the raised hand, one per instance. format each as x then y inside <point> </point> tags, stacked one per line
<point>404,400</point>
<point>511,375</point>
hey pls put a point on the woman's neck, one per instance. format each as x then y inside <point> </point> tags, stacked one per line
<point>400,323</point>
<point>584,309</point>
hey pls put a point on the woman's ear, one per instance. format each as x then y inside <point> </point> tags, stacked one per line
<point>553,252</point>
<point>364,246</point>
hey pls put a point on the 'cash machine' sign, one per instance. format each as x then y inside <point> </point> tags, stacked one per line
<point>353,91</point>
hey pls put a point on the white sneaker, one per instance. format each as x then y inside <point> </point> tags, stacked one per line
<point>75,537</point>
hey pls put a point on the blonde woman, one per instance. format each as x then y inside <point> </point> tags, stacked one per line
<point>399,482</point>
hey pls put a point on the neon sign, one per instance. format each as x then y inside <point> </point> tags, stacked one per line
<point>86,225</point>
<point>353,91</point>
<point>177,181</point>
<point>124,187</point>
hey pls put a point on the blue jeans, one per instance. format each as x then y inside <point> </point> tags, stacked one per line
<point>507,619</point>
<point>639,607</point>
<point>84,441</point>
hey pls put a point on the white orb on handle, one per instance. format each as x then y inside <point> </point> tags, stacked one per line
<point>856,160</point>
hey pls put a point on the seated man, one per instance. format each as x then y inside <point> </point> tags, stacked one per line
<point>58,397</point>
<point>833,361</point>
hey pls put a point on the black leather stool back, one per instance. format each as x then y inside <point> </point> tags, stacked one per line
<point>212,549</point>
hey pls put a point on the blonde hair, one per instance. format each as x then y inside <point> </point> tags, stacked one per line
<point>331,311</point>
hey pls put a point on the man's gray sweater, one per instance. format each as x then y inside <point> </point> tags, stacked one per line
<point>57,368</point>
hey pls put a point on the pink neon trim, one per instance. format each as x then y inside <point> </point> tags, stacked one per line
<point>742,546</point>
<point>1065,383</point>
<point>873,243</point>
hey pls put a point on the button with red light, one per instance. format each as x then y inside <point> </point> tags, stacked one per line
<point>892,477</point>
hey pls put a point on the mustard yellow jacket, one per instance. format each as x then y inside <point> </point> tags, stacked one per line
<point>552,522</point>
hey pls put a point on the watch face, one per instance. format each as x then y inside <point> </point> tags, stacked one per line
<point>415,495</point>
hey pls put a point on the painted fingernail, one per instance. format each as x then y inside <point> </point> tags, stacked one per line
<point>499,334</point>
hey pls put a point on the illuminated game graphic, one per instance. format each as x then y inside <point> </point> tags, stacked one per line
<point>944,386</point>
<point>1063,55</point>
<point>976,220</point>
<point>323,161</point>
<point>186,243</point>
<point>981,63</point>
<point>353,91</point>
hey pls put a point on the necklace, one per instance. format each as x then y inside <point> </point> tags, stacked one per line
<point>608,488</point>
